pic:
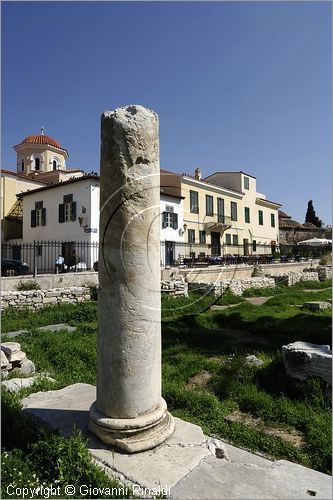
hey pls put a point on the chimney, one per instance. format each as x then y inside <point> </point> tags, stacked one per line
<point>198,174</point>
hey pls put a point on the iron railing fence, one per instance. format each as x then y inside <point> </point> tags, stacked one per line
<point>41,256</point>
<point>178,253</point>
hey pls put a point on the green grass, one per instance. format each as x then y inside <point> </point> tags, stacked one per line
<point>174,308</point>
<point>13,319</point>
<point>195,339</point>
<point>33,456</point>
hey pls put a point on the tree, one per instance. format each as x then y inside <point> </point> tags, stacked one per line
<point>311,215</point>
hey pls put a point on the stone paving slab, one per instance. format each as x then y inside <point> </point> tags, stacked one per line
<point>164,465</point>
<point>219,479</point>
<point>49,328</point>
<point>258,301</point>
<point>183,463</point>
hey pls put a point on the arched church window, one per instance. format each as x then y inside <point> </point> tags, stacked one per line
<point>37,163</point>
<point>22,165</point>
<point>55,165</point>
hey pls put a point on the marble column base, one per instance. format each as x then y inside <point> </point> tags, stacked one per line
<point>133,434</point>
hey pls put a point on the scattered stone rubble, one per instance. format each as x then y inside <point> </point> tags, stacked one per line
<point>16,384</point>
<point>13,359</point>
<point>303,360</point>
<point>252,360</point>
<point>236,286</point>
<point>317,305</point>
<point>34,299</point>
<point>291,278</point>
<point>175,286</point>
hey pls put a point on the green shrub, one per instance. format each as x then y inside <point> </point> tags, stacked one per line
<point>24,286</point>
<point>93,293</point>
<point>326,259</point>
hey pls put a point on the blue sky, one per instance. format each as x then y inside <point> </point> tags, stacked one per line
<point>237,85</point>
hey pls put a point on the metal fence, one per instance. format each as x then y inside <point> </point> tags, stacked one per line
<point>79,256</point>
<point>178,253</point>
<point>41,256</point>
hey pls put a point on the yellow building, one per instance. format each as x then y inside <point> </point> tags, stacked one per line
<point>225,215</point>
<point>13,183</point>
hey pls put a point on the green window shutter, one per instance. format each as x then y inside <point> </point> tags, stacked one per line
<point>73,214</point>
<point>164,220</point>
<point>62,213</point>
<point>43,216</point>
<point>33,218</point>
<point>175,221</point>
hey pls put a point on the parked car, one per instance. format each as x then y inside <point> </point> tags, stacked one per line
<point>11,267</point>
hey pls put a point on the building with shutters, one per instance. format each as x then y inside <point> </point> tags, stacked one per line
<point>172,221</point>
<point>66,212</point>
<point>225,215</point>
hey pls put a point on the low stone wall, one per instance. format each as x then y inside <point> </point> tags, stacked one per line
<point>48,281</point>
<point>219,273</point>
<point>34,299</point>
<point>236,286</point>
<point>290,279</point>
<point>175,286</point>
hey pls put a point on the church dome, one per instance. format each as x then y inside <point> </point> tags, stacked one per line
<point>42,139</point>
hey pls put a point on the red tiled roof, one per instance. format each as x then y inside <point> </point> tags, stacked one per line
<point>22,176</point>
<point>283,215</point>
<point>41,139</point>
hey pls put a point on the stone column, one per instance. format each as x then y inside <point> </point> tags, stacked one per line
<point>129,411</point>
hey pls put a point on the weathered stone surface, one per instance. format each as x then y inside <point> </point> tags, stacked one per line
<point>251,477</point>
<point>129,346</point>
<point>236,286</point>
<point>175,286</point>
<point>17,357</point>
<point>10,348</point>
<point>16,384</point>
<point>34,299</point>
<point>252,360</point>
<point>4,360</point>
<point>27,366</point>
<point>58,327</point>
<point>291,278</point>
<point>303,360</point>
<point>317,305</point>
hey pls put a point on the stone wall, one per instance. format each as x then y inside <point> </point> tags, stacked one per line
<point>290,279</point>
<point>236,286</point>
<point>47,281</point>
<point>34,299</point>
<point>175,286</point>
<point>218,273</point>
